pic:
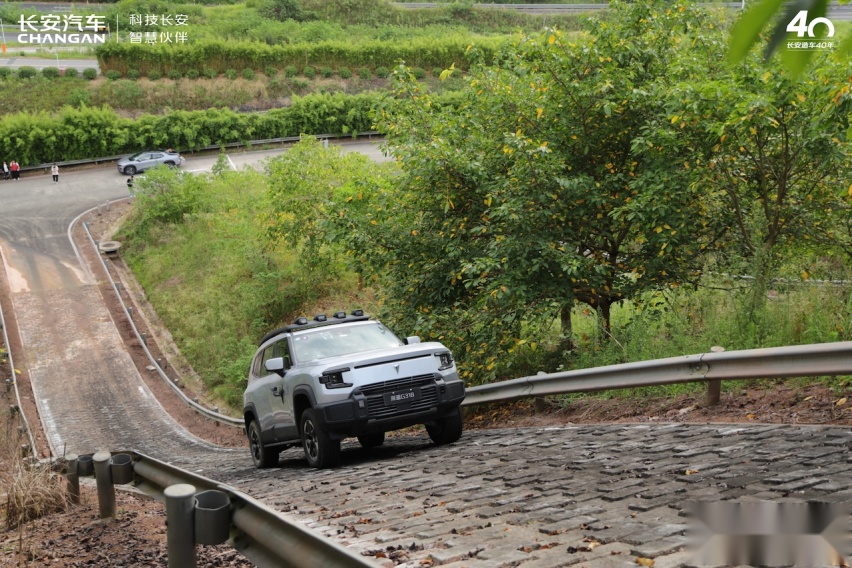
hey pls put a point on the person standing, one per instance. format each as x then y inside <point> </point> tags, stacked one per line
<point>16,170</point>
<point>5,170</point>
<point>54,171</point>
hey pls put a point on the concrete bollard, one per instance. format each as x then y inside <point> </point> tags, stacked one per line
<point>72,479</point>
<point>144,337</point>
<point>180,525</point>
<point>85,465</point>
<point>121,469</point>
<point>106,490</point>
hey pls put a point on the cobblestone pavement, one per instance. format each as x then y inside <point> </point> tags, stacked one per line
<point>596,496</point>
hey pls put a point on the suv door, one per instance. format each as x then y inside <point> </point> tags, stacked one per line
<point>279,417</point>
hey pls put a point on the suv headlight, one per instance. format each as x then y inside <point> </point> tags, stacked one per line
<point>445,359</point>
<point>333,379</point>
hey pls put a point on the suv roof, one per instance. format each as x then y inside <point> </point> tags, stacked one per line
<point>319,320</point>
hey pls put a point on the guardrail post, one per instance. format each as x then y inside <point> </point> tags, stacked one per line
<point>180,525</point>
<point>714,388</point>
<point>106,491</point>
<point>72,479</point>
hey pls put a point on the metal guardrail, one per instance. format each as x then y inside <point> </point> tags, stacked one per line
<point>224,419</point>
<point>816,360</point>
<point>13,382</point>
<point>258,532</point>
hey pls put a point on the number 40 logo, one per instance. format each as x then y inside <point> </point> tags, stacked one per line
<point>799,24</point>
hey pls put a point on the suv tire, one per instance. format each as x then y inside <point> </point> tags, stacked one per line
<point>446,430</point>
<point>262,456</point>
<point>320,450</point>
<point>130,170</point>
<point>369,441</point>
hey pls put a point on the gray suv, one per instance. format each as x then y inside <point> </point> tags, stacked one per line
<point>141,161</point>
<point>315,382</point>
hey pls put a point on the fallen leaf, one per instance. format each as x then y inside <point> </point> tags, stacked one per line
<point>841,402</point>
<point>645,561</point>
<point>750,416</point>
<point>691,471</point>
<point>807,398</point>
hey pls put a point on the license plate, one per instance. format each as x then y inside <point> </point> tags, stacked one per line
<point>402,396</point>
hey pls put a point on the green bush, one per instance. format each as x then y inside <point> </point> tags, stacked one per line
<point>155,74</point>
<point>270,71</point>
<point>365,73</point>
<point>326,72</point>
<point>344,73</point>
<point>174,74</point>
<point>418,73</point>
<point>27,72</point>
<point>231,74</point>
<point>79,97</point>
<point>71,73</point>
<point>133,74</point>
<point>90,74</point>
<point>309,72</point>
<point>291,71</point>
<point>382,72</point>
<point>436,72</point>
<point>248,74</point>
<point>5,72</point>
<point>113,75</point>
<point>210,73</point>
<point>192,74</point>
<point>51,73</point>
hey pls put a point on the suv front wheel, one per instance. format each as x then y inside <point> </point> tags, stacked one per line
<point>320,450</point>
<point>446,430</point>
<point>262,456</point>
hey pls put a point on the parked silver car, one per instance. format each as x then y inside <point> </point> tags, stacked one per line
<point>315,382</point>
<point>142,161</point>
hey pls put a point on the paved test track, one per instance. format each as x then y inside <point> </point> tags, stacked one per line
<point>528,497</point>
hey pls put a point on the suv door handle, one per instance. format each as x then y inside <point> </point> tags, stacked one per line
<point>277,392</point>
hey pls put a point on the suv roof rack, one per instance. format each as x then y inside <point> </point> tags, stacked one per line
<point>319,320</point>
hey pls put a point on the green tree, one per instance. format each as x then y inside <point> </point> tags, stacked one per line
<point>536,193</point>
<point>775,152</point>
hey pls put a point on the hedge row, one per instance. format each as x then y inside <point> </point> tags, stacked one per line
<point>73,134</point>
<point>426,53</point>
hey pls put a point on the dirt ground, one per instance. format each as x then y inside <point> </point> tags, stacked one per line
<point>78,538</point>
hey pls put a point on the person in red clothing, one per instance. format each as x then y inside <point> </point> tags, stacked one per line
<point>15,169</point>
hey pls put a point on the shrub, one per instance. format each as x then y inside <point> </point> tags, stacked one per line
<point>365,73</point>
<point>436,72</point>
<point>270,71</point>
<point>309,72</point>
<point>174,74</point>
<point>231,74</point>
<point>382,72</point>
<point>51,72</point>
<point>155,74</point>
<point>418,73</point>
<point>299,85</point>
<point>90,74</point>
<point>327,72</point>
<point>71,73</point>
<point>79,97</point>
<point>248,74</point>
<point>210,73</point>
<point>5,72</point>
<point>344,72</point>
<point>291,71</point>
<point>133,74</point>
<point>113,75</point>
<point>192,74</point>
<point>27,72</point>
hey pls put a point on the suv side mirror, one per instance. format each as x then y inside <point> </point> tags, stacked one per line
<point>275,365</point>
<point>412,340</point>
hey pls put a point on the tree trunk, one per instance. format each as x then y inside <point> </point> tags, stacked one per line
<point>567,341</point>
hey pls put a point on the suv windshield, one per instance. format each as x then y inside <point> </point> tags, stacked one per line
<point>333,341</point>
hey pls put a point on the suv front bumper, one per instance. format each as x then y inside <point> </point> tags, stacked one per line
<point>386,406</point>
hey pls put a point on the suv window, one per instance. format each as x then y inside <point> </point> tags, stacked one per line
<point>277,349</point>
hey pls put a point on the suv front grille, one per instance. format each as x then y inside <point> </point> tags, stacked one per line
<point>376,401</point>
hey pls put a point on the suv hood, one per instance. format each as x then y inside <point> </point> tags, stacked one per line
<point>377,357</point>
